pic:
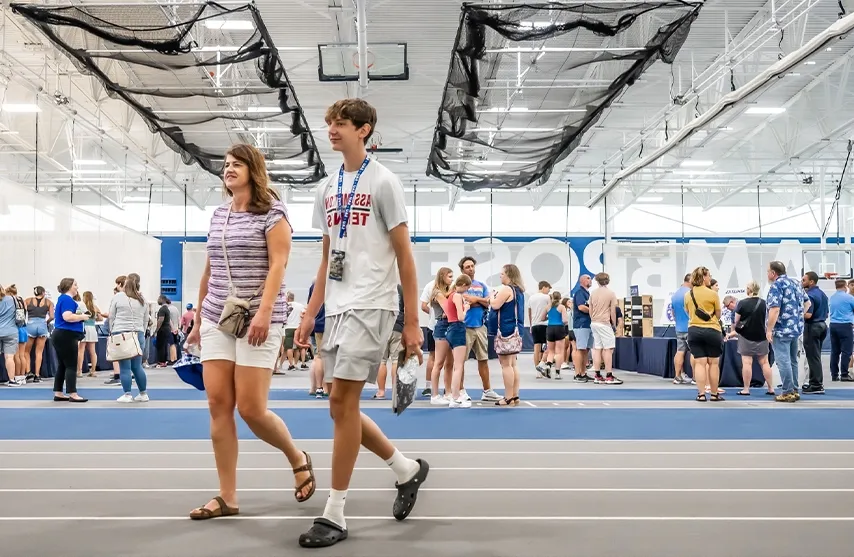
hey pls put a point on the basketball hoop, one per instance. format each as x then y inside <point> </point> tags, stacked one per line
<point>371,60</point>
<point>831,276</point>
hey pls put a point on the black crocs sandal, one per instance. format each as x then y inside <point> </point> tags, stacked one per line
<point>323,533</point>
<point>717,398</point>
<point>701,398</point>
<point>407,493</point>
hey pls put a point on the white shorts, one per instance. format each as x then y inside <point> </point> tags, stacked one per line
<point>354,343</point>
<point>603,336</point>
<point>217,345</point>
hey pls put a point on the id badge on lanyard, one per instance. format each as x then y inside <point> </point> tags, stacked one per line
<point>336,257</point>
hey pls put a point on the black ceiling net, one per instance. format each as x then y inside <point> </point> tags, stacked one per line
<point>526,81</point>
<point>202,76</point>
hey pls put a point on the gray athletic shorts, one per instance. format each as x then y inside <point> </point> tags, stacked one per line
<point>354,343</point>
<point>682,342</point>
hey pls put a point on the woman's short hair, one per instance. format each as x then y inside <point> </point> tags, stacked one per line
<point>261,195</point>
<point>752,288</point>
<point>65,285</point>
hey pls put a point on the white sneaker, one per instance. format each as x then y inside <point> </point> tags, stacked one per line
<point>464,395</point>
<point>460,402</point>
<point>125,398</point>
<point>439,400</point>
<point>489,396</point>
<point>141,397</point>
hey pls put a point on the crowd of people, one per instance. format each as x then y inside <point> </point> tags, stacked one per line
<point>793,312</point>
<point>72,324</point>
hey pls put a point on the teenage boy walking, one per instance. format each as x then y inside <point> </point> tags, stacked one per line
<point>362,213</point>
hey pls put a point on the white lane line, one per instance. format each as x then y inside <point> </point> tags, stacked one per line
<point>460,469</point>
<point>531,404</point>
<point>544,518</point>
<point>449,490</point>
<point>487,452</point>
<point>445,441</point>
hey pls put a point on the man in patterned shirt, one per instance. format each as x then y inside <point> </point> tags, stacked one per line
<point>786,302</point>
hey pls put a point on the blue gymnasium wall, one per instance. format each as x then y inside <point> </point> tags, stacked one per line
<point>172,247</point>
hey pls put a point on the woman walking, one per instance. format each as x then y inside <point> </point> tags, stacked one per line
<point>248,247</point>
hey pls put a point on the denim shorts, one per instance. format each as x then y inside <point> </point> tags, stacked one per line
<point>440,331</point>
<point>37,328</point>
<point>456,335</point>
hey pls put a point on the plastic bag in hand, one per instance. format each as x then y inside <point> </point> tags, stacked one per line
<point>406,385</point>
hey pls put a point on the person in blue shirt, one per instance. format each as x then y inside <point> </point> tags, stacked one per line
<point>680,316</point>
<point>581,329</point>
<point>476,334</point>
<point>841,336</point>
<point>815,331</point>
<point>318,387</point>
<point>67,332</point>
<point>8,334</point>
<point>786,305</point>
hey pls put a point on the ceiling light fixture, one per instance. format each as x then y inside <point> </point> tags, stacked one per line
<point>89,162</point>
<point>13,107</point>
<point>230,25</point>
<point>288,162</point>
<point>686,164</point>
<point>765,110</point>
<point>473,199</point>
<point>516,130</point>
<point>649,199</point>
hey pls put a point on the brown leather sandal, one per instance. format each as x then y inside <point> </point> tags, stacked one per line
<point>203,513</point>
<point>307,467</point>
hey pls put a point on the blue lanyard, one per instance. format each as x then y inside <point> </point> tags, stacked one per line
<point>345,212</point>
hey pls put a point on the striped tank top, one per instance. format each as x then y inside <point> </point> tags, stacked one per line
<point>246,242</point>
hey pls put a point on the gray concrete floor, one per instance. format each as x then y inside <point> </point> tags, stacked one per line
<point>490,498</point>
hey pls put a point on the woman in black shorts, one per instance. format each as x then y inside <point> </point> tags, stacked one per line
<point>555,316</point>
<point>570,334</point>
<point>705,338</point>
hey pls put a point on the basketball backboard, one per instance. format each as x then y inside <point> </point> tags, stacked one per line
<point>340,62</point>
<point>828,261</point>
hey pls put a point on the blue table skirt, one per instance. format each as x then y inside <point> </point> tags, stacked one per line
<point>654,356</point>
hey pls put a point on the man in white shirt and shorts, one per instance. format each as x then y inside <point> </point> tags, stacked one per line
<point>361,211</point>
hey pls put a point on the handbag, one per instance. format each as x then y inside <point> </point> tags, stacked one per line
<point>512,344</point>
<point>698,311</point>
<point>20,313</point>
<point>123,346</point>
<point>235,316</point>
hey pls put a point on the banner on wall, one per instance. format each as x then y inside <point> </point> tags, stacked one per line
<point>656,269</point>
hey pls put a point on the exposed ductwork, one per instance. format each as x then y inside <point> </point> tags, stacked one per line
<point>362,27</point>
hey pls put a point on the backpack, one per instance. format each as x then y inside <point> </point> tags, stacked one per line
<point>20,313</point>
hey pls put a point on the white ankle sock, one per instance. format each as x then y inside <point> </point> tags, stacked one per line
<point>405,468</point>
<point>334,510</point>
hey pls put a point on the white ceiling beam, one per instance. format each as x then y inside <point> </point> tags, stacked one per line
<point>753,37</point>
<point>733,99</point>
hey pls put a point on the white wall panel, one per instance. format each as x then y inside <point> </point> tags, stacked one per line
<point>43,239</point>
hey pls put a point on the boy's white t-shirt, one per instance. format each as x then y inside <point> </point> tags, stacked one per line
<point>370,263</point>
<point>538,303</point>
<point>425,298</point>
